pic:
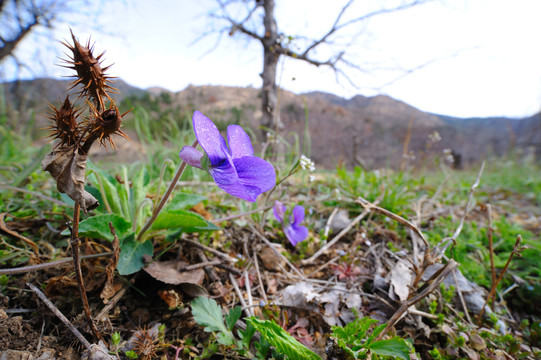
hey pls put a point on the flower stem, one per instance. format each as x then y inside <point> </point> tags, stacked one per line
<point>165,197</point>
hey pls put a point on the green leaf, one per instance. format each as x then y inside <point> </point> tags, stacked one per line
<point>232,317</point>
<point>247,335</point>
<point>183,201</point>
<point>131,255</point>
<point>98,227</point>
<point>207,313</point>
<point>282,340</point>
<point>396,347</point>
<point>183,220</point>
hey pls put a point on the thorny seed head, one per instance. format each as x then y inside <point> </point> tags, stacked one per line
<point>102,125</point>
<point>64,126</point>
<point>90,74</point>
<point>145,344</point>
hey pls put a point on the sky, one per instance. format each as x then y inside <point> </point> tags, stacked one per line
<point>463,58</point>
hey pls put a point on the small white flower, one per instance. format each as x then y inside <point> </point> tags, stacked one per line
<point>448,156</point>
<point>311,178</point>
<point>307,164</point>
<point>434,137</point>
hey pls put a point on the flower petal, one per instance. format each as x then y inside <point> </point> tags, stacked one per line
<point>279,210</point>
<point>239,142</point>
<point>255,172</point>
<point>296,233</point>
<point>224,173</point>
<point>209,137</point>
<point>245,192</point>
<point>191,156</point>
<point>298,215</point>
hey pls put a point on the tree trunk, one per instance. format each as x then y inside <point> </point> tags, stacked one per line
<point>269,95</point>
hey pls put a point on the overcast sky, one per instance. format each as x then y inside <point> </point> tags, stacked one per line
<point>481,57</point>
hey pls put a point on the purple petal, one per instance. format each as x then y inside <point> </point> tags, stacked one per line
<point>209,137</point>
<point>296,233</point>
<point>191,156</point>
<point>248,193</point>
<point>239,142</point>
<point>224,173</point>
<point>279,210</point>
<point>255,172</point>
<point>298,215</point>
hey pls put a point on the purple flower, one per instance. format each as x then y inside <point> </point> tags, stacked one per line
<point>234,168</point>
<point>294,232</point>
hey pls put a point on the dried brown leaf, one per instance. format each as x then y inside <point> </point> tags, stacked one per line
<point>68,168</point>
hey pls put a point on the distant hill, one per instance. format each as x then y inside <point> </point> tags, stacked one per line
<point>368,131</point>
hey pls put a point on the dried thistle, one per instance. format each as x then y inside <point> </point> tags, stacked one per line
<point>146,343</point>
<point>101,126</point>
<point>65,126</point>
<point>90,74</point>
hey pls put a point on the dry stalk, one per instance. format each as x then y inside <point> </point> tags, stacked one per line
<point>344,231</point>
<point>239,294</point>
<point>490,235</point>
<point>24,269</point>
<point>262,291</point>
<point>438,277</point>
<point>517,249</point>
<point>373,207</point>
<point>75,242</point>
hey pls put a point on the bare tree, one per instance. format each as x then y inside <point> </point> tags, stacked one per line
<point>276,44</point>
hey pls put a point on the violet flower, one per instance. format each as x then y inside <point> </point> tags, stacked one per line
<point>294,232</point>
<point>234,168</point>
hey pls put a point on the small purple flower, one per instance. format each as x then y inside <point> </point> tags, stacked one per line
<point>234,168</point>
<point>294,232</point>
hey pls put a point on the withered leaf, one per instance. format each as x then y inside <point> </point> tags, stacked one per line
<point>68,168</point>
<point>167,272</point>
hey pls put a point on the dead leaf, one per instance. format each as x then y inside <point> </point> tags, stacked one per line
<point>200,209</point>
<point>171,298</point>
<point>270,260</point>
<point>400,278</point>
<point>68,169</point>
<point>167,272</point>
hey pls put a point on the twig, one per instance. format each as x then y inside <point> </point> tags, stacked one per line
<point>34,193</point>
<point>461,297</point>
<point>75,242</point>
<point>4,228</point>
<point>516,251</point>
<point>261,286</point>
<point>335,239</point>
<point>451,265</point>
<point>235,216</point>
<point>61,316</point>
<point>490,233</point>
<point>172,185</point>
<point>329,222</point>
<point>209,249</point>
<point>239,294</point>
<point>373,207</point>
<point>279,254</point>
<point>37,267</point>
<point>458,230</point>
<point>249,292</point>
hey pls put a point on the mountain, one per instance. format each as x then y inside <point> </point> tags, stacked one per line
<point>369,131</point>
